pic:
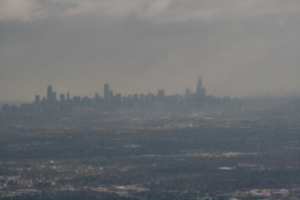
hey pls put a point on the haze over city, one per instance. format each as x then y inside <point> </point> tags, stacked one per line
<point>149,99</point>
<point>239,48</point>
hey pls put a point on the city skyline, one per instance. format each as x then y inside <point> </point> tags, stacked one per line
<point>54,102</point>
<point>240,48</point>
<point>52,95</point>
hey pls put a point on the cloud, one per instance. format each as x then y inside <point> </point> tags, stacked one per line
<point>238,47</point>
<point>101,8</point>
<point>156,11</point>
<point>168,11</point>
<point>20,10</point>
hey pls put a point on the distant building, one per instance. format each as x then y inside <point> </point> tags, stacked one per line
<point>106,91</point>
<point>135,98</point>
<point>62,98</point>
<point>54,99</point>
<point>37,98</point>
<point>110,102</point>
<point>49,94</point>
<point>161,95</point>
<point>199,85</point>
<point>200,92</point>
<point>118,99</point>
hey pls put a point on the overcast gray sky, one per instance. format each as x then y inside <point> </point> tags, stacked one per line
<point>239,47</point>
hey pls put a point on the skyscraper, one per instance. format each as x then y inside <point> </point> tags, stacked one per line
<point>62,98</point>
<point>37,98</point>
<point>200,92</point>
<point>106,92</point>
<point>199,86</point>
<point>97,95</point>
<point>161,95</point>
<point>49,94</point>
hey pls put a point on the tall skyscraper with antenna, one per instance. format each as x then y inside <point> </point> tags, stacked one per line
<point>106,92</point>
<point>201,91</point>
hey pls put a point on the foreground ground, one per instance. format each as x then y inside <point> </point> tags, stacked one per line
<point>196,156</point>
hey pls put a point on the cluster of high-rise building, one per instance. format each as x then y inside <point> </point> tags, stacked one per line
<point>116,102</point>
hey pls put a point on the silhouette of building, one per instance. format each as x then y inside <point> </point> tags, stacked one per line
<point>160,95</point>
<point>200,92</point>
<point>49,94</point>
<point>110,102</point>
<point>37,98</point>
<point>106,92</point>
<point>62,98</point>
